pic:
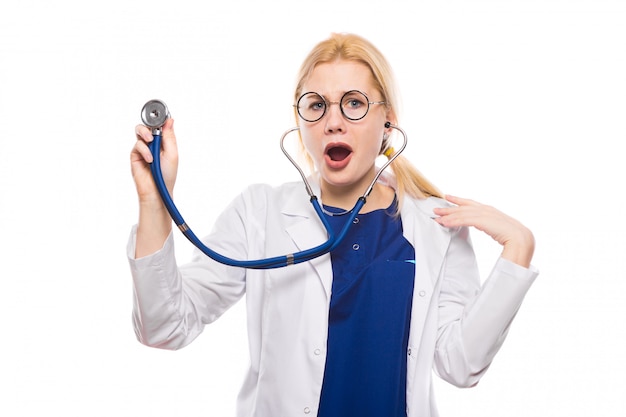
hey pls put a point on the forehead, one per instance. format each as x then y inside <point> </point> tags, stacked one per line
<point>337,77</point>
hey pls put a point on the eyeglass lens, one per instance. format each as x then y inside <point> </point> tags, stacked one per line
<point>354,105</point>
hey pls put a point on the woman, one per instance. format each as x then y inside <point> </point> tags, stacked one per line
<point>356,332</point>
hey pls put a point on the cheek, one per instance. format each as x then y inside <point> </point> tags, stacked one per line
<point>375,142</point>
<point>309,137</point>
<point>377,126</point>
<point>311,146</point>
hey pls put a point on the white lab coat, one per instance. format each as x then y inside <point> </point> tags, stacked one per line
<point>457,326</point>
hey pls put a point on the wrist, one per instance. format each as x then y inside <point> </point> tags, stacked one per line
<point>521,249</point>
<point>153,228</point>
<point>152,211</point>
<point>151,200</point>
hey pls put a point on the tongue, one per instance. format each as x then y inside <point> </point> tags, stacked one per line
<point>338,154</point>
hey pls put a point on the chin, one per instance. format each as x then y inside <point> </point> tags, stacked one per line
<point>341,179</point>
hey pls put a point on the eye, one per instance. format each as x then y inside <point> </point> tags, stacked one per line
<point>312,102</point>
<point>354,101</point>
<point>316,106</point>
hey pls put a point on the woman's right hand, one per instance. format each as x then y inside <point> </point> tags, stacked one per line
<point>154,223</point>
<point>141,157</point>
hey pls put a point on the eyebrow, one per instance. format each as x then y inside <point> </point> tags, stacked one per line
<point>341,94</point>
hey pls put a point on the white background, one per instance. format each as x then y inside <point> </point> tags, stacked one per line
<point>519,104</point>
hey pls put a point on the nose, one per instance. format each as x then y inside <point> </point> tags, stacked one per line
<point>335,122</point>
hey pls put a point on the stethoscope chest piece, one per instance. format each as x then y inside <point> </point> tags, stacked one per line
<point>154,114</point>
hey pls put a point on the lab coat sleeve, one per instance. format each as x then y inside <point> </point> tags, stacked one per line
<point>473,319</point>
<point>172,304</point>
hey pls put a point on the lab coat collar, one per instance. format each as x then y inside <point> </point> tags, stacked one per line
<point>429,239</point>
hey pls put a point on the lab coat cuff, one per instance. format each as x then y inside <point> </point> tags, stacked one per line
<point>516,271</point>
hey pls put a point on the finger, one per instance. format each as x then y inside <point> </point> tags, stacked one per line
<point>464,215</point>
<point>142,149</point>
<point>169,138</point>
<point>443,211</point>
<point>143,133</point>
<point>449,221</point>
<point>460,201</point>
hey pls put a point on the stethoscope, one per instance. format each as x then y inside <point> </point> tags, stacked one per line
<point>155,113</point>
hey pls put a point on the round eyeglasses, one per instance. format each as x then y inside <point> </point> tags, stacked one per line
<point>354,105</point>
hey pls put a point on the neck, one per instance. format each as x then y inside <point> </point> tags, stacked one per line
<point>345,197</point>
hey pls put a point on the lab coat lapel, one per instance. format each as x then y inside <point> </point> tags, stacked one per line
<point>431,242</point>
<point>307,231</point>
<point>429,239</point>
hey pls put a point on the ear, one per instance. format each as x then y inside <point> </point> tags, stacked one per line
<point>391,117</point>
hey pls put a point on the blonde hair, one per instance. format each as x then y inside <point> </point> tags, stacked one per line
<point>350,47</point>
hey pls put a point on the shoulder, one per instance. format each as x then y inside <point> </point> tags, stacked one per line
<point>424,206</point>
<point>418,212</point>
<point>414,205</point>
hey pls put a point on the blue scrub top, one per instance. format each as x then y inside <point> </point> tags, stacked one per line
<point>370,313</point>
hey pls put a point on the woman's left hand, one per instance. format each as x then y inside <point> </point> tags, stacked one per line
<point>517,240</point>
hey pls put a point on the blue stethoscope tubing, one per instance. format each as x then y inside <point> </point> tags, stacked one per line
<point>278,261</point>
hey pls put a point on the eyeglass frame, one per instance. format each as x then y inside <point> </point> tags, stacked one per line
<point>327,105</point>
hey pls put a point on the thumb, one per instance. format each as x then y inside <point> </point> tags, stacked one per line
<point>169,138</point>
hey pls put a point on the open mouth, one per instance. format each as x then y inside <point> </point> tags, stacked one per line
<point>338,152</point>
